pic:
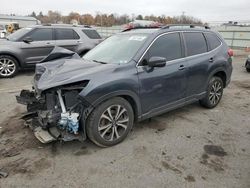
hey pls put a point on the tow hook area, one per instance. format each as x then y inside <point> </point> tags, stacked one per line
<point>43,135</point>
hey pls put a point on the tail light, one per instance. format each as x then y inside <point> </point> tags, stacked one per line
<point>230,52</point>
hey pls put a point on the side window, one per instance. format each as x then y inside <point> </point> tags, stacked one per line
<point>66,34</point>
<point>168,46</point>
<point>92,34</point>
<point>41,34</point>
<point>195,43</point>
<point>213,41</point>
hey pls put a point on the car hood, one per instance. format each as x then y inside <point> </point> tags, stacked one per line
<point>5,42</point>
<point>66,70</point>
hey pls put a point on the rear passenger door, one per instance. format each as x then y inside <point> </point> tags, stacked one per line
<point>198,59</point>
<point>67,38</point>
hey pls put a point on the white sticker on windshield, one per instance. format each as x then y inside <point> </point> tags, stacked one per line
<point>137,38</point>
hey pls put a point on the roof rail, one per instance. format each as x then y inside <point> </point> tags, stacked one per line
<point>141,27</point>
<point>46,24</point>
<point>185,25</point>
<point>87,26</point>
<point>67,25</point>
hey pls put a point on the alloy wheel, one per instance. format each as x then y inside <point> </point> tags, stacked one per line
<point>215,93</point>
<point>7,67</point>
<point>113,122</point>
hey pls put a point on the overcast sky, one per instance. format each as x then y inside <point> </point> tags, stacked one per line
<point>206,10</point>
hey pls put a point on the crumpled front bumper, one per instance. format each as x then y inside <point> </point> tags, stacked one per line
<point>43,116</point>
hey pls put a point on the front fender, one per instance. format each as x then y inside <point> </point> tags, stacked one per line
<point>122,81</point>
<point>11,52</point>
<point>130,94</point>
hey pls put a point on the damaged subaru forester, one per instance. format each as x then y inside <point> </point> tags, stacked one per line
<point>131,76</point>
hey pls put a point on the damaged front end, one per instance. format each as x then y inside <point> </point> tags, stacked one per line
<point>55,112</point>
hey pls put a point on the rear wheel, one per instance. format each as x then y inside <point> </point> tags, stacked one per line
<point>110,123</point>
<point>214,93</point>
<point>248,69</point>
<point>8,66</point>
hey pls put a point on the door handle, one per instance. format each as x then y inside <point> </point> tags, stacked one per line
<point>181,67</point>
<point>211,60</point>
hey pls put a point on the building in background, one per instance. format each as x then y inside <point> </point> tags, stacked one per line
<point>23,21</point>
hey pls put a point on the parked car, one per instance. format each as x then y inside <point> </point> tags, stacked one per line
<point>131,76</point>
<point>28,46</point>
<point>247,65</point>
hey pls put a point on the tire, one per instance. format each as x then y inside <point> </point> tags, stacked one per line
<point>214,93</point>
<point>104,131</point>
<point>248,69</point>
<point>8,66</point>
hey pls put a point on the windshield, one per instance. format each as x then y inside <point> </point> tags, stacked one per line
<point>18,34</point>
<point>120,48</point>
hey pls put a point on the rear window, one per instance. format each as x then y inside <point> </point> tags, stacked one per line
<point>66,34</point>
<point>213,41</point>
<point>92,34</point>
<point>195,43</point>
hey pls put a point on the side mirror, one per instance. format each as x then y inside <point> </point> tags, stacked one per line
<point>27,40</point>
<point>157,62</point>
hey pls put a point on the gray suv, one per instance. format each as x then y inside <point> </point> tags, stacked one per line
<point>28,46</point>
<point>131,76</point>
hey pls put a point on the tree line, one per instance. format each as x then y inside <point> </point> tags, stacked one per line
<point>100,19</point>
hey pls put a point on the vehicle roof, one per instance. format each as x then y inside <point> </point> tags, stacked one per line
<point>61,26</point>
<point>158,30</point>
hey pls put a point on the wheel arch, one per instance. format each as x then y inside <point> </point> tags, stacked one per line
<point>223,76</point>
<point>220,72</point>
<point>12,55</point>
<point>129,96</point>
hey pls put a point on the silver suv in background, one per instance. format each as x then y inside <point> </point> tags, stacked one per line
<point>28,46</point>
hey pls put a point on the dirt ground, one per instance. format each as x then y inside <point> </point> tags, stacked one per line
<point>188,147</point>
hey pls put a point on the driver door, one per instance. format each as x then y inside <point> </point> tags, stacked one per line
<point>163,87</point>
<point>42,43</point>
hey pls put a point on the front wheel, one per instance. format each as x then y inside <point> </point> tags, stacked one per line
<point>110,123</point>
<point>248,69</point>
<point>214,93</point>
<point>8,66</point>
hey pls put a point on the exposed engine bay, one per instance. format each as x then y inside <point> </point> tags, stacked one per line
<point>57,113</point>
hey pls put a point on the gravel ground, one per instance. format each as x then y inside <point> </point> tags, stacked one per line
<point>188,147</point>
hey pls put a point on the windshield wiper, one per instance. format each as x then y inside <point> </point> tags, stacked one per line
<point>99,62</point>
